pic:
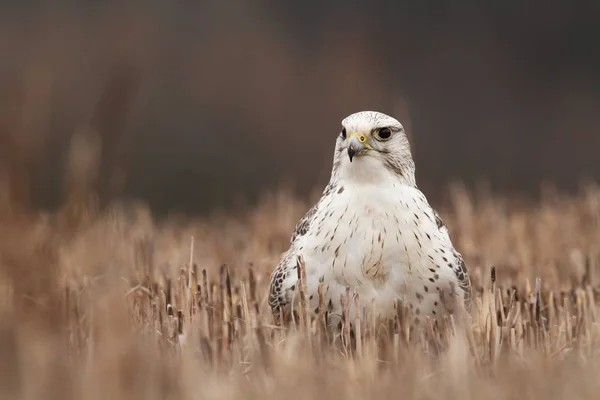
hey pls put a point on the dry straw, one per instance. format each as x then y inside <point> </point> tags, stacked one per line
<point>123,306</point>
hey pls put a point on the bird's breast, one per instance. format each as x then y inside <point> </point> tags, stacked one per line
<point>384,241</point>
<point>363,235</point>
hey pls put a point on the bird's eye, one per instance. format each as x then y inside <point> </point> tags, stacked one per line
<point>343,133</point>
<point>384,134</point>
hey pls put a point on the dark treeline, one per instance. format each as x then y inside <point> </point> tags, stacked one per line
<point>199,103</point>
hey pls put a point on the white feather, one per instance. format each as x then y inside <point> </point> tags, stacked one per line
<point>374,230</point>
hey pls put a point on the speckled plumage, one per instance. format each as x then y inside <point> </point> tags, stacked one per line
<point>373,230</point>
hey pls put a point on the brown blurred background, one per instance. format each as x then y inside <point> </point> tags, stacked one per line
<point>198,103</point>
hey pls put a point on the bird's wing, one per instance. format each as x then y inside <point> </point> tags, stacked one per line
<point>283,269</point>
<point>279,274</point>
<point>462,275</point>
<point>458,266</point>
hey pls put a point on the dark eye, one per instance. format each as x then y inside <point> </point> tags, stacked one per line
<point>343,133</point>
<point>384,133</point>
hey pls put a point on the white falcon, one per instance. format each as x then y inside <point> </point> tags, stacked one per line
<point>372,230</point>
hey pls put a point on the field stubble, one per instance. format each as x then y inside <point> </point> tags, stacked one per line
<point>120,305</point>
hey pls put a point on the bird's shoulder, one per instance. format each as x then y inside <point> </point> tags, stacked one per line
<point>304,224</point>
<point>438,219</point>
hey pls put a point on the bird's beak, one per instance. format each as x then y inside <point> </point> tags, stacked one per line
<point>357,144</point>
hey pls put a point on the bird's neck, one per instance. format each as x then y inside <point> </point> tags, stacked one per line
<point>370,171</point>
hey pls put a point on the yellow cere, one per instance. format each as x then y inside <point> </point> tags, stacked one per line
<point>361,138</point>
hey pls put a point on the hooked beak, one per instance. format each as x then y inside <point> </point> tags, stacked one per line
<point>357,144</point>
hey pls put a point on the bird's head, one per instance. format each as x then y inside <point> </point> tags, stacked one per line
<point>371,144</point>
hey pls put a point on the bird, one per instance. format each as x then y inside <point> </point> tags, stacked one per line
<point>373,232</point>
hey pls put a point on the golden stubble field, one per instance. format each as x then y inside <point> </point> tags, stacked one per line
<point>118,305</point>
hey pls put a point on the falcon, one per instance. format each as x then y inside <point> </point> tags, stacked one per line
<point>373,231</point>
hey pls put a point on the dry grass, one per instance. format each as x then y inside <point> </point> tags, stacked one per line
<point>122,306</point>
